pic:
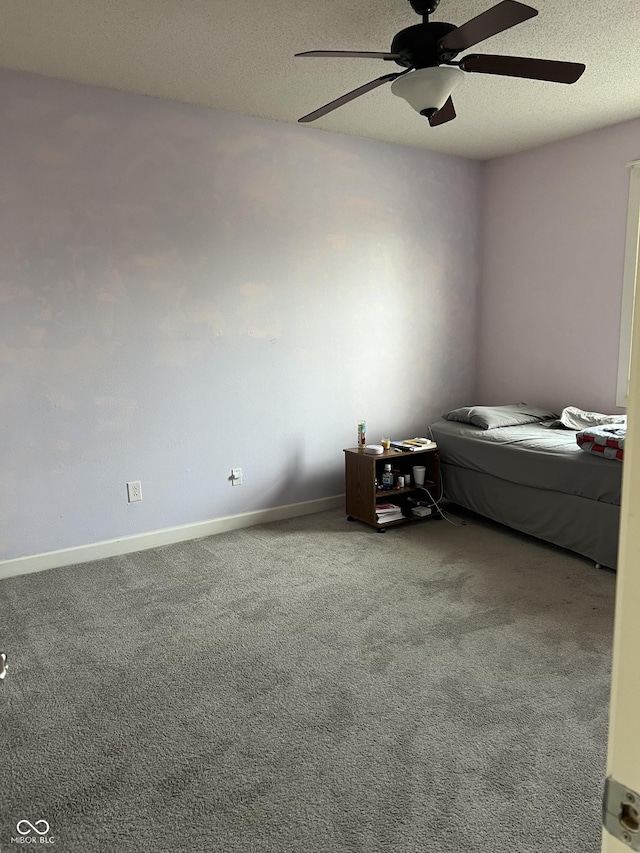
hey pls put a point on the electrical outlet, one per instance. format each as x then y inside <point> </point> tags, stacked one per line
<point>236,476</point>
<point>134,491</point>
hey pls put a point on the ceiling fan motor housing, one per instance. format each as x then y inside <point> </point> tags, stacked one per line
<point>419,45</point>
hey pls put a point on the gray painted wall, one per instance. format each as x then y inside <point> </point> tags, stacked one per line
<point>184,291</point>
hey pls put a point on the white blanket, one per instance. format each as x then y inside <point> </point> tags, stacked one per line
<point>573,418</point>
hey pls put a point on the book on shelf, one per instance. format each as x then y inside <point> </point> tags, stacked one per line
<point>384,508</point>
<point>388,512</point>
<point>385,519</point>
<point>414,444</point>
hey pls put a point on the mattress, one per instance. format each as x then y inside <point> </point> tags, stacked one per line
<point>531,455</point>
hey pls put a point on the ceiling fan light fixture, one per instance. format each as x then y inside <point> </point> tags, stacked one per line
<point>428,89</point>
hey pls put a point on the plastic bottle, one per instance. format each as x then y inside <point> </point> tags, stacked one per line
<point>387,477</point>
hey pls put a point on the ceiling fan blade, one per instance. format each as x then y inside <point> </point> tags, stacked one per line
<point>495,20</point>
<point>518,66</point>
<point>446,113</point>
<point>355,54</point>
<point>344,99</point>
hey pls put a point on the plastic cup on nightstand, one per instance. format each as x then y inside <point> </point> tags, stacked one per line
<point>419,473</point>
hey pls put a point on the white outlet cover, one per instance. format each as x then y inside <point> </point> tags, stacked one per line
<point>134,491</point>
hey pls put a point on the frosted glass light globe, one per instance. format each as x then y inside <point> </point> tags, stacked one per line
<point>428,88</point>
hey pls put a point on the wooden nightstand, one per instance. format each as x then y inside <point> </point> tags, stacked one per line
<point>363,469</point>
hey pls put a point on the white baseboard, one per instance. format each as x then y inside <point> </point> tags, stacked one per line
<point>155,538</point>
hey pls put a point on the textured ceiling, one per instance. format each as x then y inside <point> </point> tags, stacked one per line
<point>238,55</point>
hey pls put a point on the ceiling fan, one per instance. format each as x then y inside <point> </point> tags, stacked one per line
<point>427,51</point>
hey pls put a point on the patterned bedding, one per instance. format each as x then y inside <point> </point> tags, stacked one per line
<point>605,440</point>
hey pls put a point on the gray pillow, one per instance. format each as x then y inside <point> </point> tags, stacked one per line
<point>491,417</point>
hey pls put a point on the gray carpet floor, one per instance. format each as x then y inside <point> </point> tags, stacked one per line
<point>310,686</point>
